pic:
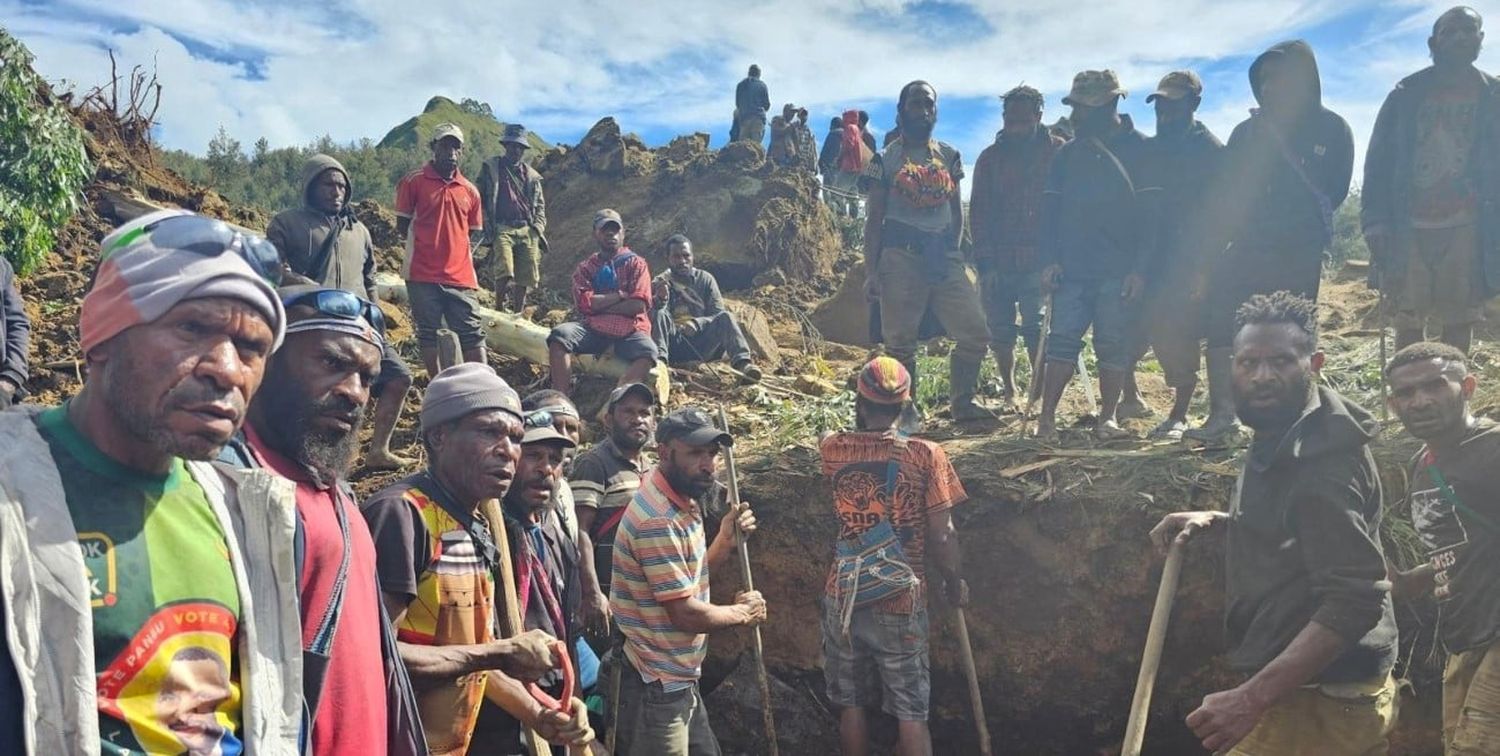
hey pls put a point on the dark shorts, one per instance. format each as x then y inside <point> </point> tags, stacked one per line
<point>1006,295</point>
<point>392,367</point>
<point>433,305</point>
<point>576,338</point>
<point>884,659</point>
<point>1171,325</point>
<point>1077,305</point>
<point>1240,275</point>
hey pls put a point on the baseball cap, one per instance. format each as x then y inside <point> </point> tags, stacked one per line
<point>1177,85</point>
<point>607,215</point>
<point>448,130</point>
<point>691,426</point>
<point>515,133</point>
<point>539,428</point>
<point>1094,88</point>
<point>621,392</point>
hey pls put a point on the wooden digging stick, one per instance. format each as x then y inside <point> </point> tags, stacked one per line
<point>966,652</point>
<point>1156,636</point>
<point>1039,360</point>
<point>760,659</point>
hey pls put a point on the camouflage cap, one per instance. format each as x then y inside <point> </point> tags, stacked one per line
<point>1094,88</point>
<point>1177,85</point>
<point>515,133</point>
<point>607,215</point>
<point>447,130</point>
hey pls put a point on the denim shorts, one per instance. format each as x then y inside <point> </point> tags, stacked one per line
<point>1076,305</point>
<point>883,660</point>
<point>434,304</point>
<point>577,338</point>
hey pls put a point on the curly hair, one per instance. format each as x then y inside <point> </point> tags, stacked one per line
<point>1422,351</point>
<point>1278,308</point>
<point>1024,94</point>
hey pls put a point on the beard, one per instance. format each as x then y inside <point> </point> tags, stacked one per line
<point>1288,407</point>
<point>624,438</point>
<point>688,485</point>
<point>149,424</point>
<point>290,415</point>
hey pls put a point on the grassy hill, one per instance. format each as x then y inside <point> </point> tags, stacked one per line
<point>481,130</point>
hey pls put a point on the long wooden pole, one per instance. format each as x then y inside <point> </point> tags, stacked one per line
<point>1156,636</point>
<point>966,652</point>
<point>760,659</point>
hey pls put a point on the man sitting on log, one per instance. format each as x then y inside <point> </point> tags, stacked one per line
<point>690,323</point>
<point>612,291</point>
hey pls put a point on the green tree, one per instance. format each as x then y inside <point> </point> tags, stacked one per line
<point>226,161</point>
<point>1348,238</point>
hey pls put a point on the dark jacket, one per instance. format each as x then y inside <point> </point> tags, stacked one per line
<point>751,98</point>
<point>695,297</point>
<point>1304,544</point>
<point>1097,222</point>
<point>15,330</point>
<point>1186,166</point>
<point>1272,206</point>
<point>1005,208</point>
<point>1386,193</point>
<point>302,236</point>
<point>828,158</point>
<point>494,171</point>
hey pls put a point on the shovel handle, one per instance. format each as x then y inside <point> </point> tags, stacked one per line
<point>1156,638</point>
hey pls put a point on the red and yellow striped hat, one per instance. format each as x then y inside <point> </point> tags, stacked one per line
<point>884,380</point>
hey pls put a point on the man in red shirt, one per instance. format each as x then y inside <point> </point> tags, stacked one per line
<point>612,290</point>
<point>438,211</point>
<point>304,426</point>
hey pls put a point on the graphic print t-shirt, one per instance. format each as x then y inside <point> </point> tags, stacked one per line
<point>1463,540</point>
<point>1445,195</point>
<point>165,608</point>
<point>858,463</point>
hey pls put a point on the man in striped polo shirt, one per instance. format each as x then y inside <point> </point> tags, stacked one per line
<point>659,595</point>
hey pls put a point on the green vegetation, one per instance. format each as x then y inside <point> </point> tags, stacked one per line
<point>43,165</point>
<point>1348,239</point>
<point>270,179</point>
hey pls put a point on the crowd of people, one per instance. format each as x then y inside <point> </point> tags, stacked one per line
<point>184,567</point>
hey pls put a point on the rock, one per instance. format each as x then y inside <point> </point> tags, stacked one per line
<point>772,277</point>
<point>845,317</point>
<point>757,329</point>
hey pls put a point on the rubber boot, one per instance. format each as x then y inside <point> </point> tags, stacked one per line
<point>1221,424</point>
<point>963,382</point>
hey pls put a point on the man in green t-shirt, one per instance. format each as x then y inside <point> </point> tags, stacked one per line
<point>184,644</point>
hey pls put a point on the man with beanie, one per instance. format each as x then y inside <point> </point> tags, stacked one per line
<point>304,426</point>
<point>15,338</point>
<point>440,215</point>
<point>612,291</point>
<point>324,243</point>
<point>123,548</point>
<point>1286,171</point>
<point>882,624</point>
<point>515,218</point>
<point>660,592</point>
<point>437,564</point>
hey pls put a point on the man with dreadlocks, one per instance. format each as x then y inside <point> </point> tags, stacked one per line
<point>912,257</point>
<point>1005,213</point>
<point>1308,607</point>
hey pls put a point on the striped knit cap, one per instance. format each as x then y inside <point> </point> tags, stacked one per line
<point>884,380</point>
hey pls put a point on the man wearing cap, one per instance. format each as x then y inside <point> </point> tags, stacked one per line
<point>544,563</point>
<point>751,103</point>
<point>437,564</point>
<point>912,256</point>
<point>604,481</point>
<point>1432,181</point>
<point>660,591</point>
<point>1005,213</point>
<point>899,491</point>
<point>612,291</point>
<point>324,243</point>
<point>1098,244</point>
<point>566,420</point>
<point>1185,159</point>
<point>441,216</point>
<point>807,145</point>
<point>1286,171</point>
<point>783,148</point>
<point>121,544</point>
<point>690,322</point>
<point>303,426</point>
<point>515,218</point>
<point>15,338</point>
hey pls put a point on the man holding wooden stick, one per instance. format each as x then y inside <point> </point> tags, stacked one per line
<point>660,594</point>
<point>893,497</point>
<point>437,564</point>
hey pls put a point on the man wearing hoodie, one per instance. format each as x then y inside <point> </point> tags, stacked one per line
<point>324,243</point>
<point>1308,610</point>
<point>1432,186</point>
<point>1287,169</point>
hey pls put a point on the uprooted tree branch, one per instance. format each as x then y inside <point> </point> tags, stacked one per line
<point>136,113</point>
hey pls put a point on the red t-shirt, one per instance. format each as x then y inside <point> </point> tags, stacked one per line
<point>442,214</point>
<point>351,715</point>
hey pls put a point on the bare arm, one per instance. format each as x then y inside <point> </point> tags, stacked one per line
<point>521,656</point>
<point>942,547</point>
<point>693,616</point>
<point>874,221</point>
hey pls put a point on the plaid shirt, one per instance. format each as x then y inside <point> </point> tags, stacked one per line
<point>634,279</point>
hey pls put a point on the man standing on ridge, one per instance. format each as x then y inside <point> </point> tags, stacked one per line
<point>751,103</point>
<point>439,213</point>
<point>1307,604</point>
<point>324,243</point>
<point>1286,171</point>
<point>612,291</point>
<point>515,219</point>
<point>1430,202</point>
<point>912,256</point>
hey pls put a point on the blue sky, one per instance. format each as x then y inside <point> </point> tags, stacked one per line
<point>293,71</point>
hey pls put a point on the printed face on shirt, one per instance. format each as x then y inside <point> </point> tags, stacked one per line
<point>610,237</point>
<point>1431,397</point>
<point>196,682</point>
<point>182,383</point>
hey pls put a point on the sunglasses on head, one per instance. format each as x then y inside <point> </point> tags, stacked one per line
<point>210,238</point>
<point>338,303</point>
<point>539,419</point>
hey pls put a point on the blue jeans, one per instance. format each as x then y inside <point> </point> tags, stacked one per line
<point>1077,305</point>
<point>1005,295</point>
